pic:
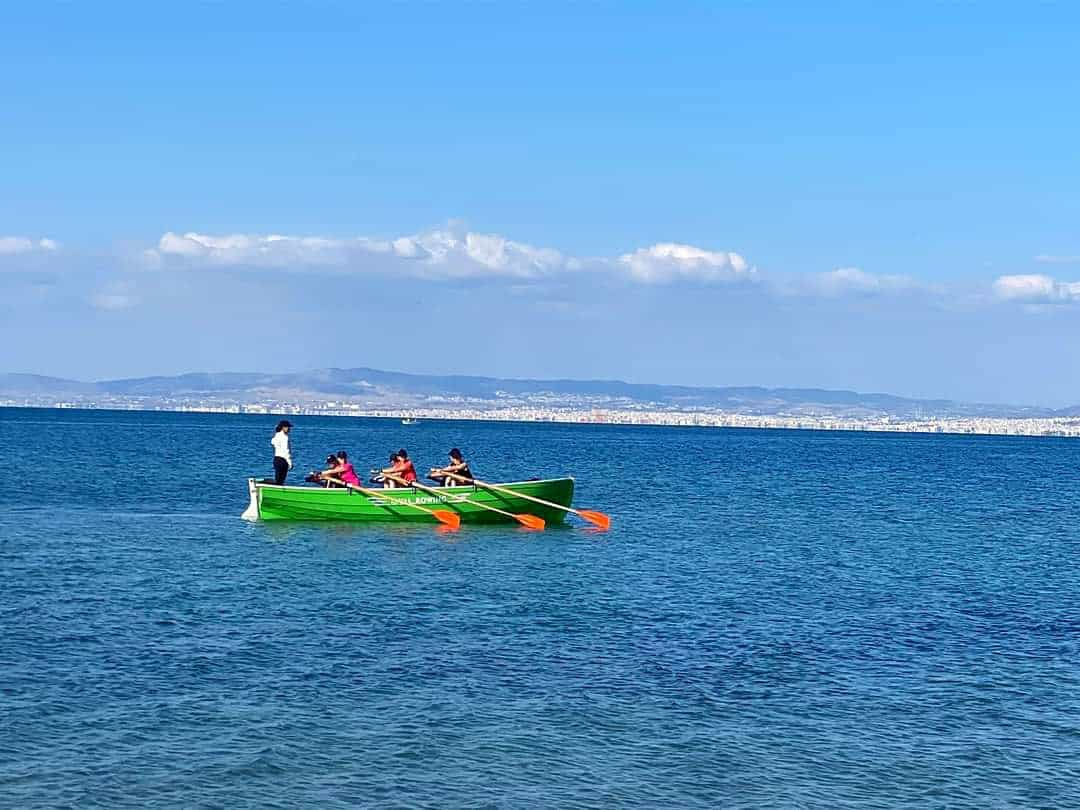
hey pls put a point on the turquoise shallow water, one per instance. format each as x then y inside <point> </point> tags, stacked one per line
<point>818,619</point>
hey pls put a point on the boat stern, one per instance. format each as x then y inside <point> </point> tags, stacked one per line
<point>252,512</point>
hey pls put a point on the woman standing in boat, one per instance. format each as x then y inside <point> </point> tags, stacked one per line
<point>452,473</point>
<point>282,451</point>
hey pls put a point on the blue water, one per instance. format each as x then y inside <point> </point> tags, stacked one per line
<point>776,618</point>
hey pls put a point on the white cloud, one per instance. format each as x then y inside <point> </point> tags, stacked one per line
<point>407,248</point>
<point>449,252</point>
<point>433,253</point>
<point>271,250</point>
<point>847,280</point>
<point>11,245</point>
<point>1036,288</point>
<point>190,244</point>
<point>667,261</point>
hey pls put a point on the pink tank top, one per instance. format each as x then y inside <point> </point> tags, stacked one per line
<point>348,475</point>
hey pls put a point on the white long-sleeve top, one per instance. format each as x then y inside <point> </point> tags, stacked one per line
<point>281,446</point>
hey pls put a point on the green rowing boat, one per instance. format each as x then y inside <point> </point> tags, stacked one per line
<point>272,502</point>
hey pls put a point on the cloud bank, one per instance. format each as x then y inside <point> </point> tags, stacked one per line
<point>435,253</point>
<point>452,252</point>
<point>446,253</point>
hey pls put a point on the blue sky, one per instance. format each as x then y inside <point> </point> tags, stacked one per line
<point>852,196</point>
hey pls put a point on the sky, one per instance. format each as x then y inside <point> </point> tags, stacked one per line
<point>878,197</point>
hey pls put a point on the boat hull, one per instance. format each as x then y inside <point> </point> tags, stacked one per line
<point>272,502</point>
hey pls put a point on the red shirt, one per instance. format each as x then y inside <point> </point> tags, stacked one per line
<point>407,471</point>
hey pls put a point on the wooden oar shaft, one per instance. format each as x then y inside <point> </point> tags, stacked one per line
<point>435,492</point>
<point>375,493</point>
<point>592,516</point>
<point>513,492</point>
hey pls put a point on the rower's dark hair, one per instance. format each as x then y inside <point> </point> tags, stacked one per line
<point>331,459</point>
<point>455,453</point>
<point>404,454</point>
<point>342,455</point>
<point>284,423</point>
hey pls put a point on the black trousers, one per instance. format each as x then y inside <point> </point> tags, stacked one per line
<point>281,469</point>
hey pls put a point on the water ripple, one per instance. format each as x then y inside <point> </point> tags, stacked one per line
<point>821,621</point>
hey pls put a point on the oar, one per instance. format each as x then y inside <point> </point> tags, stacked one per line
<point>529,521</point>
<point>444,516</point>
<point>594,517</point>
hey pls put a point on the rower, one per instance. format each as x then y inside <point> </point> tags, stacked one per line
<point>451,474</point>
<point>401,467</point>
<point>318,477</point>
<point>406,470</point>
<point>341,469</point>
<point>379,476</point>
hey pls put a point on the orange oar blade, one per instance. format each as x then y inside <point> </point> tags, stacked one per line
<point>595,518</point>
<point>447,518</point>
<point>530,521</point>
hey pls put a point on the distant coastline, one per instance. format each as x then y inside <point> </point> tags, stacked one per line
<point>1055,426</point>
<point>368,392</point>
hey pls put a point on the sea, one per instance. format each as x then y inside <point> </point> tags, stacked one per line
<point>775,619</point>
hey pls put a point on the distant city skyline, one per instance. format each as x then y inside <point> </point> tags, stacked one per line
<point>849,197</point>
<point>358,391</point>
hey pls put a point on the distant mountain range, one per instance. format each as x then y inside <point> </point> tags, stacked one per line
<point>375,389</point>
